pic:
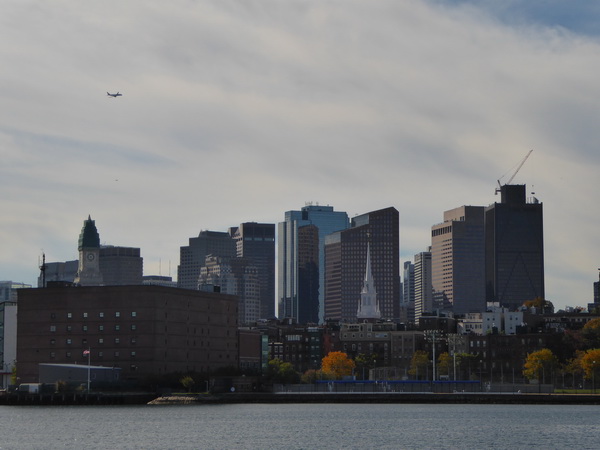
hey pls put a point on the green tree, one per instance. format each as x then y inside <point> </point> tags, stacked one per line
<point>337,365</point>
<point>187,382</point>
<point>418,364</point>
<point>282,372</point>
<point>444,364</point>
<point>539,364</point>
<point>364,363</point>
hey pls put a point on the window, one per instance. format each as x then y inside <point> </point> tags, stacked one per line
<point>69,328</point>
<point>52,328</point>
<point>69,341</point>
<point>117,340</point>
<point>100,341</point>
<point>133,354</point>
<point>133,327</point>
<point>84,342</point>
<point>133,340</point>
<point>133,314</point>
<point>69,315</point>
<point>85,315</point>
<point>117,314</point>
<point>52,354</point>
<point>116,354</point>
<point>53,316</point>
<point>101,328</point>
<point>85,328</point>
<point>52,341</point>
<point>101,315</point>
<point>100,354</point>
<point>68,354</point>
<point>117,327</point>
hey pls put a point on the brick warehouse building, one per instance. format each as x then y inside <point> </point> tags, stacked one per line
<point>147,331</point>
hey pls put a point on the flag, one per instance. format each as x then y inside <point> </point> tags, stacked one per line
<point>86,352</point>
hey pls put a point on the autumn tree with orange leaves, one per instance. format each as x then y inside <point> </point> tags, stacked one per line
<point>337,365</point>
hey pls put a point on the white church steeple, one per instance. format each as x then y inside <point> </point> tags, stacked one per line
<point>368,307</point>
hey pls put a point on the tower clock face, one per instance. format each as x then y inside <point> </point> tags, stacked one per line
<point>90,256</point>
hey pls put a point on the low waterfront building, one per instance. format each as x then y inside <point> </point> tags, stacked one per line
<point>147,331</point>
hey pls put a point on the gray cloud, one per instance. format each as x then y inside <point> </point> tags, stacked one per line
<point>235,111</point>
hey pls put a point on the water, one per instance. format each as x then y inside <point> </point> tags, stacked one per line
<point>300,426</point>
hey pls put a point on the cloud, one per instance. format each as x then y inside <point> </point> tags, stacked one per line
<point>239,111</point>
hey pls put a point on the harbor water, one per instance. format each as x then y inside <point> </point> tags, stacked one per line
<point>300,426</point>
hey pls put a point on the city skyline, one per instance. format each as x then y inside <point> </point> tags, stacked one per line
<point>421,105</point>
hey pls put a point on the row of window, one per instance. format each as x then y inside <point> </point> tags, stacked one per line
<point>85,328</point>
<point>99,355</point>
<point>86,315</point>
<point>84,342</point>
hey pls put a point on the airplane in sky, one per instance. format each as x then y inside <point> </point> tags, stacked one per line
<point>114,95</point>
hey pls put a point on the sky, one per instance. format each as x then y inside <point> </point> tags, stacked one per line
<point>237,111</point>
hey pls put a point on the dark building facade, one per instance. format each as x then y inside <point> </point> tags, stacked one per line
<point>192,257</point>
<point>147,331</point>
<point>121,266</point>
<point>458,258</point>
<point>379,230</point>
<point>514,249</point>
<point>256,242</point>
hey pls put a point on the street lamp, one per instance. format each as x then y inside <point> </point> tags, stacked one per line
<point>593,377</point>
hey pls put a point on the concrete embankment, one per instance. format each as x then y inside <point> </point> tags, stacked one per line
<point>455,398</point>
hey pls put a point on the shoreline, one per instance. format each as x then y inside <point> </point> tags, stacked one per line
<point>301,397</point>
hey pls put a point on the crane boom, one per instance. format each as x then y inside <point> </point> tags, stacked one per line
<point>519,168</point>
<point>515,172</point>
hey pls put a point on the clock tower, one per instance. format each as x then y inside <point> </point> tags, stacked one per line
<point>88,272</point>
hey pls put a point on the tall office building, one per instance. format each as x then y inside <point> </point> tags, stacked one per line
<point>346,255</point>
<point>458,259</point>
<point>407,303</point>
<point>192,257</point>
<point>291,242</point>
<point>423,285</point>
<point>514,249</point>
<point>256,242</point>
<point>234,276</point>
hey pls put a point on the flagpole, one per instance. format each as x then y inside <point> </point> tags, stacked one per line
<point>88,380</point>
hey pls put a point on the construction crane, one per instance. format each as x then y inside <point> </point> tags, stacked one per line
<point>514,174</point>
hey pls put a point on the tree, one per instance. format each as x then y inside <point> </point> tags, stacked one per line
<point>312,375</point>
<point>418,364</point>
<point>444,363</point>
<point>573,365</point>
<point>282,372</point>
<point>364,363</point>
<point>538,363</point>
<point>591,333</point>
<point>590,362</point>
<point>337,365</point>
<point>187,382</point>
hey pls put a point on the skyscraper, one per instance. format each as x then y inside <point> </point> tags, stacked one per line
<point>256,242</point>
<point>423,285</point>
<point>292,241</point>
<point>234,276</point>
<point>458,258</point>
<point>192,257</point>
<point>347,250</point>
<point>407,303</point>
<point>514,249</point>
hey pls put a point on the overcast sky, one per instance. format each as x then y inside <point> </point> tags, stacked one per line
<point>237,111</point>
